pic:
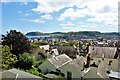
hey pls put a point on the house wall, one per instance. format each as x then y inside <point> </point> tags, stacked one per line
<point>68,67</point>
<point>46,65</point>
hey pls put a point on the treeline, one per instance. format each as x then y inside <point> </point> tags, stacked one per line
<point>87,33</point>
<point>17,53</point>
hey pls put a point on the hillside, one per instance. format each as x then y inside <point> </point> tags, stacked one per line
<point>86,33</point>
<point>34,34</point>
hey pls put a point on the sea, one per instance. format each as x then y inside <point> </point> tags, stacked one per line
<point>31,37</point>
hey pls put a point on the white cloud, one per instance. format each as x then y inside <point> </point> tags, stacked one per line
<point>68,24</point>
<point>102,11</point>
<point>87,25</point>
<point>106,12</point>
<point>50,6</point>
<point>47,17</point>
<point>34,20</point>
<point>106,19</point>
<point>74,13</point>
<point>20,12</point>
<point>78,26</point>
<point>26,14</point>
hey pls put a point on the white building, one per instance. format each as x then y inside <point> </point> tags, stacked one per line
<point>54,63</point>
<point>45,47</point>
<point>70,68</point>
<point>74,68</point>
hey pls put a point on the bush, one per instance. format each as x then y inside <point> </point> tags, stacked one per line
<point>26,61</point>
<point>17,41</point>
<point>8,59</point>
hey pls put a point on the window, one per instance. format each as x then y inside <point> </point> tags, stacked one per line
<point>69,75</point>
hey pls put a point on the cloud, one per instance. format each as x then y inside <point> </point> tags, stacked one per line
<point>87,25</point>
<point>101,11</point>
<point>50,6</point>
<point>105,13</point>
<point>33,20</point>
<point>47,17</point>
<point>78,26</point>
<point>68,24</point>
<point>19,12</point>
<point>73,13</point>
<point>26,14</point>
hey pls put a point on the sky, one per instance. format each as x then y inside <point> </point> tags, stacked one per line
<point>59,15</point>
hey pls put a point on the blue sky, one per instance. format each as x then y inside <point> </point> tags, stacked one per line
<point>60,15</point>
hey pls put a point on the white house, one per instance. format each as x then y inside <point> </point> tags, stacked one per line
<point>71,68</point>
<point>74,68</point>
<point>46,47</point>
<point>55,52</point>
<point>54,63</point>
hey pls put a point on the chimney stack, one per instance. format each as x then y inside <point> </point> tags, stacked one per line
<point>109,67</point>
<point>88,61</point>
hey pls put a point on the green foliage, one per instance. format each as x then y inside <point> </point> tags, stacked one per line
<point>42,53</point>
<point>17,41</point>
<point>88,33</point>
<point>42,43</point>
<point>26,61</point>
<point>62,43</point>
<point>59,77</point>
<point>34,71</point>
<point>36,45</point>
<point>34,33</point>
<point>69,43</point>
<point>8,59</point>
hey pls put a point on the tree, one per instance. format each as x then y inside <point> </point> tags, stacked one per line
<point>17,41</point>
<point>26,61</point>
<point>8,59</point>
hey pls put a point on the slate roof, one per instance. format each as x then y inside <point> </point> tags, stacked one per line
<point>11,74</point>
<point>109,52</point>
<point>102,70</point>
<point>78,63</point>
<point>92,73</point>
<point>115,65</point>
<point>68,50</point>
<point>60,60</point>
<point>99,72</point>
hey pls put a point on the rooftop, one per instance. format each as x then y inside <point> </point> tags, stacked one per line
<point>109,52</point>
<point>60,60</point>
<point>78,63</point>
<point>14,73</point>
